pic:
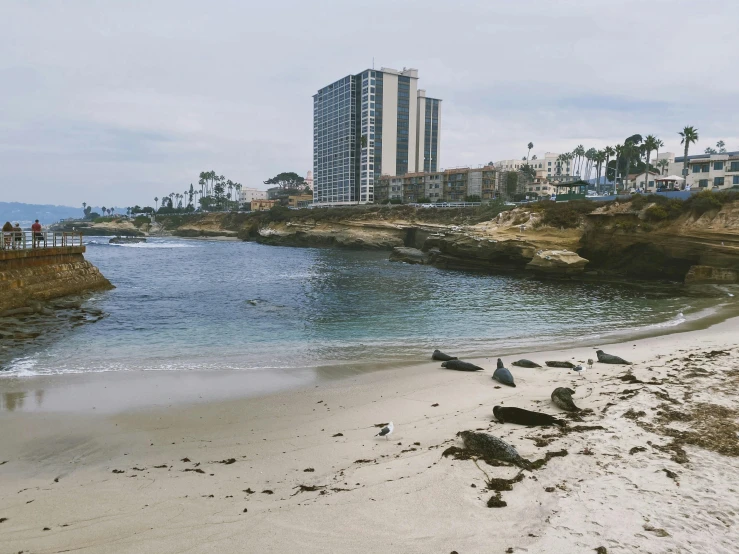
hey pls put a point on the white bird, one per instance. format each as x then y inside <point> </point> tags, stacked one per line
<point>386,431</point>
<point>579,369</point>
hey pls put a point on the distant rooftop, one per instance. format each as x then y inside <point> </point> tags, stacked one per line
<point>705,156</point>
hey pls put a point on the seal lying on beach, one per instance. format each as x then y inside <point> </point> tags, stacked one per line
<point>562,398</point>
<point>488,446</point>
<point>503,376</point>
<point>609,359</point>
<point>459,365</point>
<point>524,417</point>
<point>525,363</point>
<point>568,365</point>
<point>439,355</point>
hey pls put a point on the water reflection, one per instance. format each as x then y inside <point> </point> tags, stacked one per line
<point>12,401</point>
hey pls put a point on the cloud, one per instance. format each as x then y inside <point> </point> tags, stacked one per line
<point>113,103</point>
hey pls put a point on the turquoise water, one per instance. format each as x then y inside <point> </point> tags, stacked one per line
<point>206,305</point>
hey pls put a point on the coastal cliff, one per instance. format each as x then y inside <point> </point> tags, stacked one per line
<point>696,242</point>
<point>39,275</point>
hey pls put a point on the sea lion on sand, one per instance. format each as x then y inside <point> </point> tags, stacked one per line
<point>524,417</point>
<point>525,363</point>
<point>562,398</point>
<point>609,359</point>
<point>503,376</point>
<point>488,446</point>
<point>459,365</point>
<point>568,365</point>
<point>439,355</point>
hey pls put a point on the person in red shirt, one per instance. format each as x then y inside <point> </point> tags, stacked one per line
<point>37,235</point>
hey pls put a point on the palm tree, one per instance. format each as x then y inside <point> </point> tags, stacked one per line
<point>662,164</point>
<point>619,154</point>
<point>689,135</point>
<point>609,152</point>
<point>103,209</point>
<point>156,204</point>
<point>530,145</point>
<point>660,144</point>
<point>650,143</point>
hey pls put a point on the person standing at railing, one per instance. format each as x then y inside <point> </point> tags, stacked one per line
<point>37,235</point>
<point>7,234</point>
<point>17,236</point>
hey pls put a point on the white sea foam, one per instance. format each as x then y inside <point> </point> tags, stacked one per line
<point>21,367</point>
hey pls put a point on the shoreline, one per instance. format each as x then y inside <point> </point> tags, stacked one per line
<point>129,482</point>
<point>154,389</point>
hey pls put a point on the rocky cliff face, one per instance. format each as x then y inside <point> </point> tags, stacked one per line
<point>32,276</point>
<point>379,236</point>
<point>692,249</point>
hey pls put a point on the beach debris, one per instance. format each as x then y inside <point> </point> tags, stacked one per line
<point>525,417</point>
<point>308,470</point>
<point>308,488</point>
<point>227,461</point>
<point>118,471</point>
<point>672,475</point>
<point>636,449</point>
<point>195,469</point>
<point>161,466</point>
<point>386,431</point>
<point>338,435</point>
<point>440,356</point>
<point>435,405</point>
<point>541,462</point>
<point>459,365</point>
<point>267,491</point>
<point>562,398</point>
<point>568,365</point>
<point>610,359</point>
<point>525,363</point>
<point>248,491</point>
<point>601,550</point>
<point>185,460</point>
<point>380,425</point>
<point>495,501</point>
<point>657,531</point>
<point>3,519</point>
<point>363,461</point>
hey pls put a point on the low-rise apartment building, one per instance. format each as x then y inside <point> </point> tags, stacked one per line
<point>300,201</point>
<point>545,167</point>
<point>709,171</point>
<point>263,205</point>
<point>247,194</point>
<point>451,185</point>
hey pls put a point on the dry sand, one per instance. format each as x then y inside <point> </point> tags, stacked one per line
<point>661,476</point>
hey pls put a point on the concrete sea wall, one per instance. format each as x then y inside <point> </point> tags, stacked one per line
<point>38,275</point>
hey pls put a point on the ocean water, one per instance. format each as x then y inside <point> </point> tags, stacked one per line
<point>207,305</point>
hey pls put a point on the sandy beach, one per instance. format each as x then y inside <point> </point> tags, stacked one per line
<point>651,466</point>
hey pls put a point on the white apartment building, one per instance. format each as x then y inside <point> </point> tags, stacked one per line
<point>248,194</point>
<point>709,171</point>
<point>545,166</point>
<point>368,125</point>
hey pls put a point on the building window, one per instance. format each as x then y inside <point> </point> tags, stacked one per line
<point>696,169</point>
<point>705,168</point>
<point>703,183</point>
<point>718,166</point>
<point>718,181</point>
<point>736,179</point>
<point>734,166</point>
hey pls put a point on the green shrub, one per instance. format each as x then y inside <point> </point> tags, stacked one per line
<point>567,215</point>
<point>656,213</point>
<point>141,220</point>
<point>703,202</point>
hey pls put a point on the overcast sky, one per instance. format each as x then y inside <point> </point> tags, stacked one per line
<point>112,102</point>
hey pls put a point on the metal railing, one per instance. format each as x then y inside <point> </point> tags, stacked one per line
<point>28,240</point>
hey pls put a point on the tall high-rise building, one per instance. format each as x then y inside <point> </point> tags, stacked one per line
<point>367,125</point>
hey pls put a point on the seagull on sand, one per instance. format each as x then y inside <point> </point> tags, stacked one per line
<point>579,369</point>
<point>386,431</point>
<point>590,363</point>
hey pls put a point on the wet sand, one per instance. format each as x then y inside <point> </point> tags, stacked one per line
<point>301,470</point>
